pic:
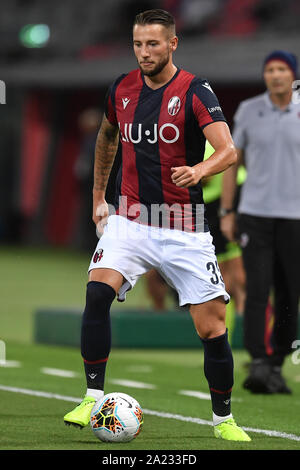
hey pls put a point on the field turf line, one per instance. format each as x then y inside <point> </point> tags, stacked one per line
<point>160,414</point>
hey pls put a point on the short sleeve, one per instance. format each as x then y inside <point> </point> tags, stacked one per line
<point>110,101</point>
<point>239,127</point>
<point>206,106</point>
<point>109,108</point>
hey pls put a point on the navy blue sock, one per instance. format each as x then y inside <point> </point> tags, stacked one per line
<point>96,332</point>
<point>218,369</point>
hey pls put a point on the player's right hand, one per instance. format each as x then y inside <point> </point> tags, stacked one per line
<point>100,216</point>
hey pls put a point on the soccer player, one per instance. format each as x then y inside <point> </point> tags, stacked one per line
<point>266,134</point>
<point>162,116</point>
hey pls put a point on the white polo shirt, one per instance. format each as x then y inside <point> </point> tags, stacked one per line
<point>270,138</point>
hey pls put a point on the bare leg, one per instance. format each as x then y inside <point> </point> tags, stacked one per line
<point>209,318</point>
<point>108,276</point>
<point>157,289</point>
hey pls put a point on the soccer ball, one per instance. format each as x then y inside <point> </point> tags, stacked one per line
<point>117,417</point>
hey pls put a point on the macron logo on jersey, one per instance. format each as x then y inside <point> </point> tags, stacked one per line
<point>125,102</point>
<point>207,85</point>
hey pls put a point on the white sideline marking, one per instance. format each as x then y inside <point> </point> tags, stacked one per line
<point>5,363</point>
<point>160,414</point>
<point>132,384</point>
<point>37,393</point>
<point>190,393</point>
<point>59,372</point>
<point>201,395</point>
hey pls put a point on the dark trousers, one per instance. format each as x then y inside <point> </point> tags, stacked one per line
<point>271,256</point>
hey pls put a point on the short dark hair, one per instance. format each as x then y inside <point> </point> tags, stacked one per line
<point>155,16</point>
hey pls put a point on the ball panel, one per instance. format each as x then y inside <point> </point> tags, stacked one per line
<point>117,417</point>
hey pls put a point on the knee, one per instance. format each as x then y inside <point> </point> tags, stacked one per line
<point>209,319</point>
<point>96,291</point>
<point>99,297</point>
<point>211,331</point>
<point>210,327</point>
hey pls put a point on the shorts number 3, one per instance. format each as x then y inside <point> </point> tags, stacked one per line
<point>215,270</point>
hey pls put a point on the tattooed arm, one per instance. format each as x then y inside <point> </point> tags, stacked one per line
<point>105,151</point>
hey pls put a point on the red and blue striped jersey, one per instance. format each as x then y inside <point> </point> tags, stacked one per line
<point>160,129</point>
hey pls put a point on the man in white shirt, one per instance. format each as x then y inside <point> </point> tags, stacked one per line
<point>267,138</point>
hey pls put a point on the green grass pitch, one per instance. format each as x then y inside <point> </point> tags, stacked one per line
<point>172,421</point>
<point>36,423</point>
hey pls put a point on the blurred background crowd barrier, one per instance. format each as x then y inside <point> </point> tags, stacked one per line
<point>57,59</point>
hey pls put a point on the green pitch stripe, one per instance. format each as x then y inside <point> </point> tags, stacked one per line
<point>159,414</point>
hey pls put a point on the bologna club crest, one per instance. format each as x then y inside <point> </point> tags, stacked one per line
<point>174,105</point>
<point>98,255</point>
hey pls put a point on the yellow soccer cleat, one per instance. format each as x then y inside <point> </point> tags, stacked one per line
<point>81,415</point>
<point>230,431</point>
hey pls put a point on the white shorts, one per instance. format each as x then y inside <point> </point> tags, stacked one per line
<point>187,261</point>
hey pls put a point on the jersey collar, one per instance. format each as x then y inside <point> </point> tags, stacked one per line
<point>273,106</point>
<point>163,86</point>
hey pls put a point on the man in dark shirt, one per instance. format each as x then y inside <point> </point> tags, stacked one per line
<point>162,116</point>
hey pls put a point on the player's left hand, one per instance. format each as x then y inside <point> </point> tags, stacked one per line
<point>185,176</point>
